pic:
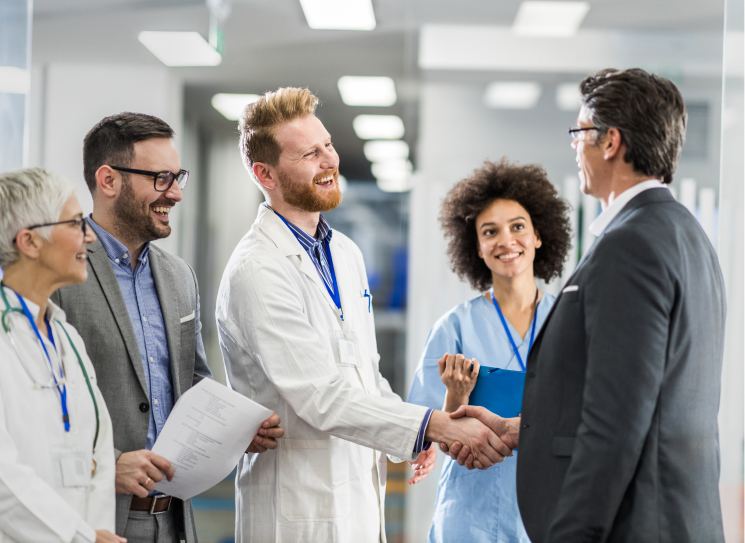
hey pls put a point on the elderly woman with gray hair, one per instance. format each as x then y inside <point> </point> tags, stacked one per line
<point>56,445</point>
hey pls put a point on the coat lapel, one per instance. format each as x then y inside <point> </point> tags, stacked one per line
<point>101,266</point>
<point>169,295</point>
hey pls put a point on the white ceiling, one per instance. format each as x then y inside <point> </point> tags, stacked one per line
<point>268,44</point>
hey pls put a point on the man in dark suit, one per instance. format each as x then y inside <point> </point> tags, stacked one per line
<point>138,314</point>
<point>618,438</point>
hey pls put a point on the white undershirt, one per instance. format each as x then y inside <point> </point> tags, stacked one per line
<point>604,219</point>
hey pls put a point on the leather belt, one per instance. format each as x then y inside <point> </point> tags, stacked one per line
<point>154,505</point>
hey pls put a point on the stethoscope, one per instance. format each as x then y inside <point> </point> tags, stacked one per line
<point>54,383</point>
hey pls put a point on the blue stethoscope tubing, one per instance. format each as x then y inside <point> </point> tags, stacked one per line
<point>6,326</point>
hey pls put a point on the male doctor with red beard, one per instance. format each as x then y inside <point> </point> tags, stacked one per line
<point>297,335</point>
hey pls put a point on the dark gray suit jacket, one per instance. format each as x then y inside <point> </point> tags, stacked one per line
<point>619,438</point>
<point>97,310</point>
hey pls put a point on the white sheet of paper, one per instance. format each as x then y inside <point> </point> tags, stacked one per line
<point>205,435</point>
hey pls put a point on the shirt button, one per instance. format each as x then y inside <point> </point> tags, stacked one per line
<point>116,260</point>
<point>144,407</point>
<point>151,360</point>
<point>155,401</point>
<point>125,255</point>
<point>144,318</point>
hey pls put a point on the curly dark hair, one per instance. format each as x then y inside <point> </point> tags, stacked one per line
<point>528,186</point>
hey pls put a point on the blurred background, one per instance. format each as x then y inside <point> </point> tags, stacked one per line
<point>416,94</point>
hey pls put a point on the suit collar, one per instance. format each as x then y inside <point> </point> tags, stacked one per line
<point>101,267</point>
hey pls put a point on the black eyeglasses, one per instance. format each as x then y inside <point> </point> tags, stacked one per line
<point>162,181</point>
<point>575,131</point>
<point>77,222</point>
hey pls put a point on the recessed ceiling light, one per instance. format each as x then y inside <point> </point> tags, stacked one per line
<point>378,127</point>
<point>549,19</point>
<point>392,169</point>
<point>14,80</point>
<point>180,48</point>
<point>339,14</point>
<point>367,91</point>
<point>378,151</point>
<point>512,95</point>
<point>231,105</point>
<point>568,97</point>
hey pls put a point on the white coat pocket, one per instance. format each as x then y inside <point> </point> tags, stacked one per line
<point>314,479</point>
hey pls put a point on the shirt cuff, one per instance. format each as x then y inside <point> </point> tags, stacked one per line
<point>85,534</point>
<point>421,445</point>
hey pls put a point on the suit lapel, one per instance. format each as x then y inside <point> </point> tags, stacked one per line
<point>169,295</point>
<point>101,266</point>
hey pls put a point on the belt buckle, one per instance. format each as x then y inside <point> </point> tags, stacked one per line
<point>155,501</point>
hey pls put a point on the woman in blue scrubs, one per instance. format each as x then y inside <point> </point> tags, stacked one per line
<point>506,225</point>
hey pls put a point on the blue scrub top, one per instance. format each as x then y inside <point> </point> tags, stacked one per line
<point>475,506</point>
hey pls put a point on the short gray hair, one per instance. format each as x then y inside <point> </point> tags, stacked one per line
<point>28,197</point>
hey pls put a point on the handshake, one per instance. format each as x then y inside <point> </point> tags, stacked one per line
<point>474,436</point>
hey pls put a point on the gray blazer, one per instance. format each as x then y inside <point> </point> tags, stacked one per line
<point>96,309</point>
<point>619,437</point>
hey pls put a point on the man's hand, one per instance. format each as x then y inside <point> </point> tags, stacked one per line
<point>507,429</point>
<point>269,433</point>
<point>485,446</point>
<point>105,536</point>
<point>459,375</point>
<point>138,471</point>
<point>423,464</point>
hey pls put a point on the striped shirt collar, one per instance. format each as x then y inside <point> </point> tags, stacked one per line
<point>323,233</point>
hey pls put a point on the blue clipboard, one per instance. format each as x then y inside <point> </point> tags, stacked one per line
<point>500,391</point>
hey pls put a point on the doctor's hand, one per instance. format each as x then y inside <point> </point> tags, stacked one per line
<point>423,464</point>
<point>105,536</point>
<point>485,446</point>
<point>459,375</point>
<point>269,433</point>
<point>138,471</point>
<point>507,429</point>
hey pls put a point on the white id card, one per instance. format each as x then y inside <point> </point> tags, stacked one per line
<point>345,348</point>
<point>74,468</point>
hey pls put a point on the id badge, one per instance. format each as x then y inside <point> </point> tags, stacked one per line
<point>345,348</point>
<point>73,467</point>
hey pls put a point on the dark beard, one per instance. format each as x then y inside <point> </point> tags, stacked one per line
<point>132,219</point>
<point>306,196</point>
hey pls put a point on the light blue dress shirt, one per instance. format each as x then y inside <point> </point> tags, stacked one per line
<point>143,306</point>
<point>474,506</point>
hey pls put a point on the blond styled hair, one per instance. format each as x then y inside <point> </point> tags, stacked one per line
<point>259,122</point>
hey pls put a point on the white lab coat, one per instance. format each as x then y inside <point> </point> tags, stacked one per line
<point>326,481</point>
<point>34,505</point>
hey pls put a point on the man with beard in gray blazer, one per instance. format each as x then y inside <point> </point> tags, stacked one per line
<point>618,438</point>
<point>138,314</point>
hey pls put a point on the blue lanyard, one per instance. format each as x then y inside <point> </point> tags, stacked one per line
<point>63,388</point>
<point>335,292</point>
<point>507,330</point>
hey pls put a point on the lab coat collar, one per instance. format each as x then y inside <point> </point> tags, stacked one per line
<point>54,312</point>
<point>277,231</point>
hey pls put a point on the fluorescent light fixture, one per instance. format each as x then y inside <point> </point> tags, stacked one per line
<point>568,97</point>
<point>378,127</point>
<point>231,105</point>
<point>512,95</point>
<point>392,169</point>
<point>395,185</point>
<point>14,80</point>
<point>180,48</point>
<point>339,14</point>
<point>549,19</point>
<point>343,183</point>
<point>367,91</point>
<point>379,151</point>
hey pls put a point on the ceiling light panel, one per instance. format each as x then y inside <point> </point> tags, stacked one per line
<point>568,97</point>
<point>378,151</point>
<point>339,14</point>
<point>549,19</point>
<point>14,80</point>
<point>392,169</point>
<point>512,95</point>
<point>378,127</point>
<point>231,105</point>
<point>395,185</point>
<point>367,91</point>
<point>180,48</point>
